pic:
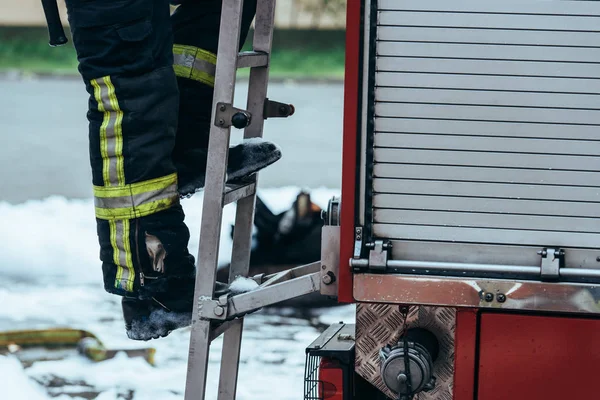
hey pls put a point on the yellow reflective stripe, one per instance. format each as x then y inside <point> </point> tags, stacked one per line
<point>122,257</point>
<point>137,199</point>
<point>136,188</point>
<point>194,63</point>
<point>103,126</point>
<point>118,131</point>
<point>128,258</point>
<point>196,52</point>
<point>136,212</point>
<point>113,242</point>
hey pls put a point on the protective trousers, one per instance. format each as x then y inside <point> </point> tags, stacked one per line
<point>150,78</point>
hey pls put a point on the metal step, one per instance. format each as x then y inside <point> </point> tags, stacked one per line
<point>276,288</point>
<point>252,59</point>
<point>234,193</point>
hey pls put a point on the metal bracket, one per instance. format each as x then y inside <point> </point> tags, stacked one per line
<point>274,289</point>
<point>330,260</point>
<point>227,115</point>
<point>378,256</point>
<point>213,309</point>
<point>358,242</point>
<point>274,109</point>
<point>552,261</point>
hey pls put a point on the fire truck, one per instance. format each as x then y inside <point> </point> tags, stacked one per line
<point>468,229</point>
<point>469,233</point>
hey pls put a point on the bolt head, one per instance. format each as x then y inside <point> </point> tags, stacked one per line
<point>489,297</point>
<point>326,279</point>
<point>221,121</point>
<point>223,107</point>
<point>219,311</point>
<point>402,378</point>
<point>501,298</point>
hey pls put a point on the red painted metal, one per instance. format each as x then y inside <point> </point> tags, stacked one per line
<point>524,357</point>
<point>331,380</point>
<point>465,343</point>
<point>349,148</point>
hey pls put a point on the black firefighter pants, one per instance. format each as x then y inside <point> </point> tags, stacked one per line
<point>143,87</point>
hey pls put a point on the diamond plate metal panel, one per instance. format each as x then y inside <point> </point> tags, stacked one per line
<point>380,324</point>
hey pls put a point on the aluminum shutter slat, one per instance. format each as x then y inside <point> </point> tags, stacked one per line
<point>492,83</point>
<point>493,190</point>
<point>476,97</point>
<point>487,128</point>
<point>485,174</point>
<point>491,36</point>
<point>491,144</point>
<point>479,204</point>
<point>483,159</point>
<point>492,52</point>
<point>488,220</point>
<point>545,7</point>
<point>489,21</point>
<point>482,235</point>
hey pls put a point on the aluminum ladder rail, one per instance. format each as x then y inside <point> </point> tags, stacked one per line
<point>217,194</point>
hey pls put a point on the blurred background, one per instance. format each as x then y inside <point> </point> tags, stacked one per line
<point>50,278</point>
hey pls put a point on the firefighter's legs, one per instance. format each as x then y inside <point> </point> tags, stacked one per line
<point>196,36</point>
<point>125,52</point>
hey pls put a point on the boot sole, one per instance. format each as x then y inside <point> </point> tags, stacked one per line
<point>198,185</point>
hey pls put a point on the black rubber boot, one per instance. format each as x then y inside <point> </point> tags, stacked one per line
<point>245,159</point>
<point>160,315</point>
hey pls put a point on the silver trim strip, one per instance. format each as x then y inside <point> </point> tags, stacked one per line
<point>477,293</point>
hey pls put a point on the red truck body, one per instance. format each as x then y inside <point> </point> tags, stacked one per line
<point>504,334</point>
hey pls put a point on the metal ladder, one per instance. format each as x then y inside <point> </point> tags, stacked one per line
<point>212,317</point>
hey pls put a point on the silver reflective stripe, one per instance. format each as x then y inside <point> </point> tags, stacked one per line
<point>136,200</point>
<point>113,139</point>
<point>185,60</point>
<point>200,65</point>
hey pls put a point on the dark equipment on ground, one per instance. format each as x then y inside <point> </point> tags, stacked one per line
<point>286,240</point>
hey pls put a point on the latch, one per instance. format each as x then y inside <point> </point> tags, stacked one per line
<point>275,109</point>
<point>378,255</point>
<point>552,261</point>
<point>227,115</point>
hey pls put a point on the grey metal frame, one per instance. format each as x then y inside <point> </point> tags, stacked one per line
<point>216,195</point>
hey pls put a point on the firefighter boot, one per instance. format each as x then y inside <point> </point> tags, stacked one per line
<point>160,315</point>
<point>196,33</point>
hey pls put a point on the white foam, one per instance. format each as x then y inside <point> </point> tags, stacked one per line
<point>15,384</point>
<point>242,285</point>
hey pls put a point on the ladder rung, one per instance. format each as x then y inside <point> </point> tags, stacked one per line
<point>221,329</point>
<point>249,59</point>
<point>234,193</point>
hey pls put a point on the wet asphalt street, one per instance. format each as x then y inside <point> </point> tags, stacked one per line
<point>44,137</point>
